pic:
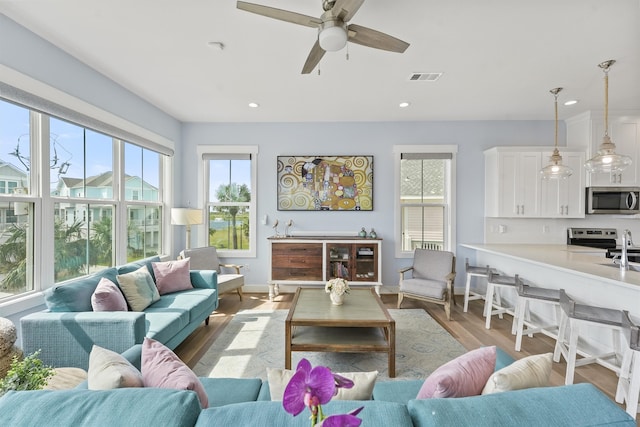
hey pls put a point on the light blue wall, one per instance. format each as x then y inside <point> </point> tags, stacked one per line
<point>377,139</point>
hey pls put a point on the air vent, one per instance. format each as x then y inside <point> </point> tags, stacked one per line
<point>425,77</point>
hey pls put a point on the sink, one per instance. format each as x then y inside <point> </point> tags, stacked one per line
<point>632,266</point>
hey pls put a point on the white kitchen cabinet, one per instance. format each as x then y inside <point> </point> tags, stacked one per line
<point>564,198</point>
<point>586,130</point>
<point>514,187</point>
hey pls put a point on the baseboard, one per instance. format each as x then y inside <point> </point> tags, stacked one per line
<point>286,289</point>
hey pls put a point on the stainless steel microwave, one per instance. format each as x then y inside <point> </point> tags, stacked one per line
<point>613,200</point>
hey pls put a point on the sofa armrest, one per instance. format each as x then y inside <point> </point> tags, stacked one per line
<point>66,339</point>
<point>204,279</point>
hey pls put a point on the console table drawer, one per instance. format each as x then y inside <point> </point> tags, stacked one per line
<point>301,249</point>
<point>305,274</point>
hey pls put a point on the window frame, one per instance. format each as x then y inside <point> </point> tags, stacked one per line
<point>450,205</point>
<point>203,195</point>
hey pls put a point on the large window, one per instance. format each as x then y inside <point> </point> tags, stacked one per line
<point>230,188</point>
<point>426,192</point>
<point>102,204</point>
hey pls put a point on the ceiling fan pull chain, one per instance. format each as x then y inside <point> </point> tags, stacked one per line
<point>347,51</point>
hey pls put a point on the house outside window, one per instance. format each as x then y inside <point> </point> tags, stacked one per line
<point>79,216</point>
<point>425,204</point>
<point>229,188</point>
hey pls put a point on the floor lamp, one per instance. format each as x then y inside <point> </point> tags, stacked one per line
<point>188,217</point>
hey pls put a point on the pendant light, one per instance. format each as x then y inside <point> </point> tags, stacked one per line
<point>606,160</point>
<point>555,169</point>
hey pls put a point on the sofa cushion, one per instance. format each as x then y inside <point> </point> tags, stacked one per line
<point>138,288</point>
<point>195,301</point>
<point>172,276</point>
<point>108,297</point>
<point>162,368</point>
<point>363,383</point>
<point>271,413</point>
<point>531,371</point>
<point>109,370</point>
<point>139,407</point>
<point>573,405</point>
<point>224,391</point>
<point>397,391</point>
<point>465,375</point>
<point>75,295</point>
<point>163,324</point>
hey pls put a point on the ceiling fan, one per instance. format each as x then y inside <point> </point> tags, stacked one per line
<point>333,30</point>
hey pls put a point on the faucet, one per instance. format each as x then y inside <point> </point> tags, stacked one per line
<point>627,240</point>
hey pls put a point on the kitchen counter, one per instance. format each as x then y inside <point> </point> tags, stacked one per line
<point>581,261</point>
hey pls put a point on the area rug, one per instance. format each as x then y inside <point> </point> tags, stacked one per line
<point>254,340</point>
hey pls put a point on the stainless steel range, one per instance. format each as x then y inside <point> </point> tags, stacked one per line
<point>603,238</point>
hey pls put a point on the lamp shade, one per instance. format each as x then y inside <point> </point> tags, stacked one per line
<point>332,37</point>
<point>186,216</point>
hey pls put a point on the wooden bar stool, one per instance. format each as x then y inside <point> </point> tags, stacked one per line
<point>574,316</point>
<point>522,317</point>
<point>629,383</point>
<point>494,283</point>
<point>473,271</point>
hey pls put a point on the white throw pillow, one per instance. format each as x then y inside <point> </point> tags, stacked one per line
<point>532,371</point>
<point>109,370</point>
<point>363,383</point>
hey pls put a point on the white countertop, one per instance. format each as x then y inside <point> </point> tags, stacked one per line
<point>579,260</point>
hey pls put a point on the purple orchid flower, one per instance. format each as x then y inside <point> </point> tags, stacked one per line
<point>345,420</point>
<point>308,388</point>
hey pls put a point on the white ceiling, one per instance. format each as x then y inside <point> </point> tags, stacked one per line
<point>500,58</point>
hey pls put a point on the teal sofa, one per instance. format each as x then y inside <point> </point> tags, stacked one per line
<point>67,330</point>
<point>247,402</point>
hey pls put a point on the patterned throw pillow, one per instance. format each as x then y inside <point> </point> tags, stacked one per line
<point>463,376</point>
<point>172,276</point>
<point>162,368</point>
<point>363,383</point>
<point>109,370</point>
<point>107,297</point>
<point>138,288</point>
<point>528,372</point>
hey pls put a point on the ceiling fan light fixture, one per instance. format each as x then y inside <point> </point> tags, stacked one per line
<point>332,36</point>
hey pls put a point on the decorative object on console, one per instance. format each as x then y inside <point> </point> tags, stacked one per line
<point>188,217</point>
<point>606,160</point>
<point>555,169</point>
<point>313,388</point>
<point>373,234</point>
<point>337,288</point>
<point>362,233</point>
<point>286,228</point>
<point>325,183</point>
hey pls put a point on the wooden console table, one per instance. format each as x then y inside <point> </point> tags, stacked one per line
<point>307,260</point>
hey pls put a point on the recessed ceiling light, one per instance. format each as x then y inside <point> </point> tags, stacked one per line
<point>254,105</point>
<point>571,102</point>
<point>404,104</point>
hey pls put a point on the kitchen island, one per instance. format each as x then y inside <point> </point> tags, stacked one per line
<point>585,273</point>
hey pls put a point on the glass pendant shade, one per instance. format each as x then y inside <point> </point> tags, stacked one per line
<point>606,160</point>
<point>555,169</point>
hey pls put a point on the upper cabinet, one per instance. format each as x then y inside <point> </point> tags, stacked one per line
<point>515,189</point>
<point>586,131</point>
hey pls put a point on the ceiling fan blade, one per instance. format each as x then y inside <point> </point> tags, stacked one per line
<point>345,9</point>
<point>372,38</point>
<point>282,15</point>
<point>313,59</point>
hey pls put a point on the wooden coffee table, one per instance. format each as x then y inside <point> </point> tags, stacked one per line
<point>361,325</point>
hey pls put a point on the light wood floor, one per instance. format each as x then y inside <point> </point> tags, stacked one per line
<point>468,328</point>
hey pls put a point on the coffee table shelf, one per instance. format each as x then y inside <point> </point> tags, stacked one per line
<point>361,324</point>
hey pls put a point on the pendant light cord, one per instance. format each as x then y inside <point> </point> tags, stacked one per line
<point>556,108</point>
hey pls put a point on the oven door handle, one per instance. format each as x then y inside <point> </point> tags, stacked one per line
<point>632,200</point>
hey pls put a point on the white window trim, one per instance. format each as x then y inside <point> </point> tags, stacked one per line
<point>203,191</point>
<point>398,150</point>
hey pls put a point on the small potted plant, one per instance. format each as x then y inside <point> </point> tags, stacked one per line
<point>26,374</point>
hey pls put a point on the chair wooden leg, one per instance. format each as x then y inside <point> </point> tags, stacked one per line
<point>522,304</point>
<point>574,333</point>
<point>488,306</point>
<point>467,289</point>
<point>240,292</point>
<point>561,334</point>
<point>400,298</point>
<point>447,309</point>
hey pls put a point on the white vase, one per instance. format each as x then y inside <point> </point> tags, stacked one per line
<point>336,299</point>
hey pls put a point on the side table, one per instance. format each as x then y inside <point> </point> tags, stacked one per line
<point>66,378</point>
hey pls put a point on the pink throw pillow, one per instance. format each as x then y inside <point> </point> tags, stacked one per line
<point>163,369</point>
<point>172,276</point>
<point>108,297</point>
<point>463,376</point>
